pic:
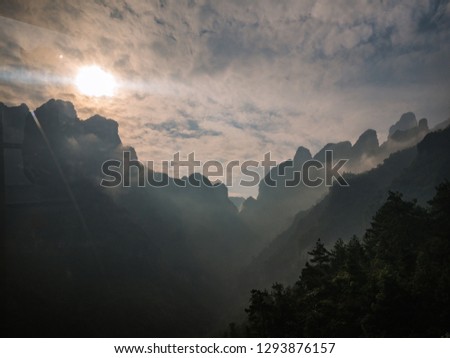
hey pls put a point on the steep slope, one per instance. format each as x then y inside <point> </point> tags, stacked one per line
<point>347,211</point>
<point>83,260</point>
<point>277,203</point>
<point>392,282</point>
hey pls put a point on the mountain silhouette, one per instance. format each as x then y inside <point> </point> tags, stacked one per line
<point>87,261</point>
<point>175,258</point>
<point>277,203</point>
<point>407,121</point>
<point>347,211</point>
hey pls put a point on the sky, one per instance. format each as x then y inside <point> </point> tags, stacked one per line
<point>232,80</point>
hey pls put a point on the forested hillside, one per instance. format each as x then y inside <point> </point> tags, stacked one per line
<point>394,281</point>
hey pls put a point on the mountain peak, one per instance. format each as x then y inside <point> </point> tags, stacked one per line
<point>340,150</point>
<point>105,129</point>
<point>423,125</point>
<point>20,107</point>
<point>407,121</point>
<point>63,110</point>
<point>367,143</point>
<point>301,155</point>
<point>198,179</point>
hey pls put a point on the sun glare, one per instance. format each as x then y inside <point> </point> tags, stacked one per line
<point>93,81</point>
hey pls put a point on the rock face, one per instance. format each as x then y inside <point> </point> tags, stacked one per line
<point>367,144</point>
<point>79,146</point>
<point>423,125</point>
<point>403,138</point>
<point>407,121</point>
<point>153,242</point>
<point>13,122</point>
<point>105,129</point>
<point>301,156</point>
<point>278,201</point>
<point>341,150</point>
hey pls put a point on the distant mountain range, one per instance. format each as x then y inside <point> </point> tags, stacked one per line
<point>347,211</point>
<point>277,204</point>
<point>84,260</point>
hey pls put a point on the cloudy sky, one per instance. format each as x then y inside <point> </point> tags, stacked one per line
<point>233,79</point>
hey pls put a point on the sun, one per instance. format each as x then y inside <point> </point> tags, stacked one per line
<point>94,81</point>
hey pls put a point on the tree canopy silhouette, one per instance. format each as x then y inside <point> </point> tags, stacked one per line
<point>393,282</point>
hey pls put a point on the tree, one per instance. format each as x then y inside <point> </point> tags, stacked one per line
<point>393,283</point>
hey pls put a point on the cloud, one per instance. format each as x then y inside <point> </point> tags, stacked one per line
<point>254,76</point>
<point>183,129</point>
